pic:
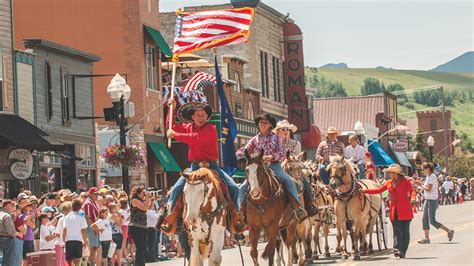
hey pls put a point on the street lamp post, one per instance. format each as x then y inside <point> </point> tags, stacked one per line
<point>119,92</point>
<point>430,141</point>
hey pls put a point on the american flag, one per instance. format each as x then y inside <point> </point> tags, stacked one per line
<point>200,80</point>
<point>207,29</point>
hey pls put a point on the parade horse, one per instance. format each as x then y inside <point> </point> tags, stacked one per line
<point>265,206</point>
<point>323,219</point>
<point>351,205</point>
<point>298,235</point>
<point>204,215</point>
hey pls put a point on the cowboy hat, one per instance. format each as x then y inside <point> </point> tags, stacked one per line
<point>267,117</point>
<point>285,124</point>
<point>33,199</point>
<point>332,130</point>
<point>67,194</point>
<point>186,111</point>
<point>394,168</point>
<point>24,203</point>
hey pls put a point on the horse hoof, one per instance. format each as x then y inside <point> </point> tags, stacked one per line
<point>371,251</point>
<point>346,256</point>
<point>356,257</point>
<point>338,250</point>
<point>327,255</point>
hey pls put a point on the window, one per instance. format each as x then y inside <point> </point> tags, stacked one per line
<point>433,125</point>
<point>238,110</point>
<point>250,114</point>
<point>237,87</point>
<point>150,61</point>
<point>49,92</point>
<point>65,95</point>
<point>264,74</point>
<point>276,79</point>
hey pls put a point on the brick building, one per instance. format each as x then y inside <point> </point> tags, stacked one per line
<point>125,35</point>
<point>432,121</point>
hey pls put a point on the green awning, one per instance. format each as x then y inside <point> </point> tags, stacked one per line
<point>164,155</point>
<point>160,41</point>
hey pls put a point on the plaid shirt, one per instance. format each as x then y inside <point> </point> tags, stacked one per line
<point>270,144</point>
<point>330,148</point>
<point>292,146</point>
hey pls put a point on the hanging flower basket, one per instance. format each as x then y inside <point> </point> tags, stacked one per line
<point>128,156</point>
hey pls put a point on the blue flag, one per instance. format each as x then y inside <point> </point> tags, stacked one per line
<point>228,127</point>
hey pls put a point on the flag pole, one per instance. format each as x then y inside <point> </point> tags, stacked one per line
<point>171,108</point>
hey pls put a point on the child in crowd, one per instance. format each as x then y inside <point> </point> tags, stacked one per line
<point>104,228</point>
<point>46,230</point>
<point>116,223</point>
<point>74,234</point>
<point>125,214</point>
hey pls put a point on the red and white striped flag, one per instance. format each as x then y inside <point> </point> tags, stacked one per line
<point>456,142</point>
<point>196,80</point>
<point>213,28</point>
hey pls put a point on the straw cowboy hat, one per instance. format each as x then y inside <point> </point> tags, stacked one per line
<point>285,124</point>
<point>24,203</point>
<point>186,111</point>
<point>394,168</point>
<point>67,194</point>
<point>332,130</point>
<point>267,117</point>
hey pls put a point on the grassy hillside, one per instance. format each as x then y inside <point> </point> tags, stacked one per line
<point>463,113</point>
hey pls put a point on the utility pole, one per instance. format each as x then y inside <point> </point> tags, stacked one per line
<point>445,130</point>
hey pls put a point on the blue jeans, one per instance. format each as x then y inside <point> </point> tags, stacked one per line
<point>361,166</point>
<point>323,172</point>
<point>284,178</point>
<point>429,214</point>
<point>18,251</point>
<point>7,246</point>
<point>178,187</point>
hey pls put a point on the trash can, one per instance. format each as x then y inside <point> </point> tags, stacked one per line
<point>42,258</point>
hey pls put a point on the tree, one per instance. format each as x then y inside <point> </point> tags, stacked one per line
<point>371,86</point>
<point>420,145</point>
<point>398,88</point>
<point>311,77</point>
<point>433,98</point>
<point>461,165</point>
<point>327,88</point>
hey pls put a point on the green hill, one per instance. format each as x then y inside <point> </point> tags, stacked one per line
<point>463,111</point>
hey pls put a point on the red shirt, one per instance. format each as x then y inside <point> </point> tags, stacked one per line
<point>18,222</point>
<point>91,209</point>
<point>399,196</point>
<point>201,141</point>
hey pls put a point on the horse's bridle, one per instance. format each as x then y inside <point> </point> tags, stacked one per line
<point>261,208</point>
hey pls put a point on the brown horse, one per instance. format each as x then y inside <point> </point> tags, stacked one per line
<point>350,204</point>
<point>323,218</point>
<point>298,235</point>
<point>265,206</point>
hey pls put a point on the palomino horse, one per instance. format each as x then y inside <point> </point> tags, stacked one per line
<point>323,218</point>
<point>298,235</point>
<point>204,217</point>
<point>265,206</point>
<point>350,204</point>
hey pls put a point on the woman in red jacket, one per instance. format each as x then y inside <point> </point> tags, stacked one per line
<point>401,212</point>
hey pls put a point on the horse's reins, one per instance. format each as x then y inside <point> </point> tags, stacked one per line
<point>271,177</point>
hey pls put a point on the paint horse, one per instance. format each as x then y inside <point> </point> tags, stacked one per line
<point>205,215</point>
<point>350,204</point>
<point>265,206</point>
<point>298,235</point>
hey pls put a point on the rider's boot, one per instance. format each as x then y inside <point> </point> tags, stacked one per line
<point>170,223</point>
<point>300,212</point>
<point>310,208</point>
<point>237,224</point>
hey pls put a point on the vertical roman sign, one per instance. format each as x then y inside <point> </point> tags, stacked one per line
<point>298,112</point>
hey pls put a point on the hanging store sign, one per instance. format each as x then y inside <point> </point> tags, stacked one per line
<point>20,163</point>
<point>401,145</point>
<point>298,111</point>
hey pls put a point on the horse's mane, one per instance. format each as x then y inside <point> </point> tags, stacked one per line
<point>211,175</point>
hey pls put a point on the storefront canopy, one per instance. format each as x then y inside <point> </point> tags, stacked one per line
<point>159,40</point>
<point>400,156</point>
<point>17,132</point>
<point>379,155</point>
<point>164,156</point>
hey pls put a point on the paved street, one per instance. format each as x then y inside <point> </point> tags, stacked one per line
<point>440,252</point>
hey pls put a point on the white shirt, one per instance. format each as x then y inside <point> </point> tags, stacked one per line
<point>74,223</point>
<point>433,195</point>
<point>447,186</point>
<point>59,231</point>
<point>125,216</point>
<point>152,218</point>
<point>104,224</point>
<point>46,230</point>
<point>357,153</point>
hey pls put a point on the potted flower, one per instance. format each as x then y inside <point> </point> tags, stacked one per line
<point>127,156</point>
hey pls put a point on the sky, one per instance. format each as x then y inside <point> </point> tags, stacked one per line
<point>403,34</point>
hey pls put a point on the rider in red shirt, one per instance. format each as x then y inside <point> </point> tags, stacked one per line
<point>201,138</point>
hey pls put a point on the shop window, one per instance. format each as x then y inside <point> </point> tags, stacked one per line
<point>64,73</point>
<point>238,110</point>
<point>49,92</point>
<point>276,79</point>
<point>264,74</point>
<point>237,87</point>
<point>250,113</point>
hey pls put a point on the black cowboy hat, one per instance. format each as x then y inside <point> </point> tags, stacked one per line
<point>186,111</point>
<point>267,117</point>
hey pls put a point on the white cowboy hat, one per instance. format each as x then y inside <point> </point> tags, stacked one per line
<point>285,124</point>
<point>394,168</point>
<point>332,130</point>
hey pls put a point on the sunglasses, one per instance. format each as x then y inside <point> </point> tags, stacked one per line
<point>283,129</point>
<point>264,122</point>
